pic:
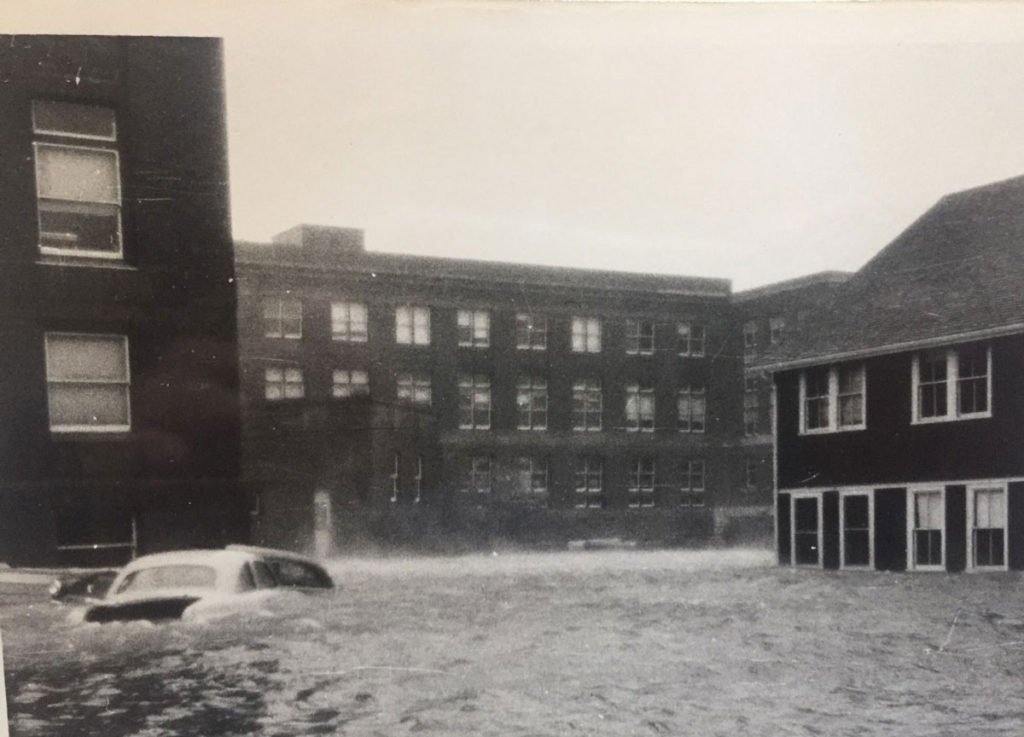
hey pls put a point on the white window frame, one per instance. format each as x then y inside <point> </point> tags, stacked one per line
<point>587,387</point>
<point>349,387</point>
<point>588,332</point>
<point>912,493</point>
<point>792,528</point>
<point>126,384</point>
<point>394,477</point>
<point>834,413</point>
<point>642,481</point>
<point>869,493</point>
<point>776,327</point>
<point>690,495</point>
<point>343,327</point>
<point>532,467</point>
<point>531,332</point>
<point>587,496</point>
<point>51,138</point>
<point>478,322</point>
<point>639,340</point>
<point>284,383</point>
<point>637,419</point>
<point>414,388</point>
<point>972,491</point>
<point>279,303</point>
<point>418,329</point>
<point>475,384</point>
<point>532,403</point>
<point>953,413</point>
<point>693,398</point>
<point>692,339</point>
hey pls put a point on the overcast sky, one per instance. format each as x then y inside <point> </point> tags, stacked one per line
<point>750,142</point>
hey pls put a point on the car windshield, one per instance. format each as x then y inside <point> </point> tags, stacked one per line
<point>169,577</point>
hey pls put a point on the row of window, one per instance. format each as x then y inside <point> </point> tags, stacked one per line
<point>947,384</point>
<point>776,328</point>
<point>926,528</point>
<point>282,318</point>
<point>531,478</point>
<point>532,400</point>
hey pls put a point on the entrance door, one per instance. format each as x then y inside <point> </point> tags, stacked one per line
<point>856,530</point>
<point>806,550</point>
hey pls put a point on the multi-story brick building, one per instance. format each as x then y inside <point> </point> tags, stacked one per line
<point>396,393</point>
<point>118,398</point>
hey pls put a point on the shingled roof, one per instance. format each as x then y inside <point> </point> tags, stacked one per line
<point>955,274</point>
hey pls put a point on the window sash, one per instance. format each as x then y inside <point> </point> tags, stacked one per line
<point>532,404</point>
<point>412,325</point>
<point>953,383</point>
<point>474,328</point>
<point>531,332</point>
<point>586,335</point>
<point>589,482</point>
<point>691,339</point>
<point>349,383</point>
<point>282,318</point>
<point>639,408</point>
<point>283,383</point>
<point>692,409</point>
<point>587,406</point>
<point>88,382</point>
<point>349,322</point>
<point>71,120</point>
<point>640,337</point>
<point>475,403</point>
<point>414,388</point>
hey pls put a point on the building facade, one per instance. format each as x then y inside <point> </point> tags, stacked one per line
<point>899,409</point>
<point>394,396</point>
<point>119,429</point>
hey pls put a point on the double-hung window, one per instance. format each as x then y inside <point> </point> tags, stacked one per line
<point>474,402</point>
<point>927,528</point>
<point>589,482</point>
<point>640,408</point>
<point>532,403</point>
<point>282,318</point>
<point>477,477</point>
<point>776,327</point>
<point>953,383</point>
<point>587,405</point>
<point>349,383</point>
<point>749,338</point>
<point>412,325</point>
<point>691,485</point>
<point>474,328</point>
<point>691,406</point>
<point>641,482</point>
<point>531,332</point>
<point>348,322</point>
<point>78,181</point>
<point>639,337</point>
<point>987,521</point>
<point>413,388</point>
<point>283,382</point>
<point>586,335</point>
<point>832,398</point>
<point>87,381</point>
<point>692,339</point>
<point>533,476</point>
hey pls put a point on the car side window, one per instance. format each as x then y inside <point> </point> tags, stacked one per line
<point>293,573</point>
<point>264,576</point>
<point>246,580</point>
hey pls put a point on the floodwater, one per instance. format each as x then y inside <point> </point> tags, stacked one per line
<point>573,643</point>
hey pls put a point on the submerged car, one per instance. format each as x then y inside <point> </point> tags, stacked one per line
<point>79,587</point>
<point>172,585</point>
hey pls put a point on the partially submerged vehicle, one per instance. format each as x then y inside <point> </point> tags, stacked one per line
<point>176,584</point>
<point>78,587</point>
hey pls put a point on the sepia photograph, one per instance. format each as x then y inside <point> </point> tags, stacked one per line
<point>511,367</point>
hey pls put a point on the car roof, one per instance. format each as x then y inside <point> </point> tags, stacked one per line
<point>261,552</point>
<point>212,558</point>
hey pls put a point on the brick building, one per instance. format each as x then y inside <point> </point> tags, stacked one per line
<point>399,395</point>
<point>118,403</point>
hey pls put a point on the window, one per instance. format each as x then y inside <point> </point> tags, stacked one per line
<point>474,402</point>
<point>412,325</point>
<point>533,476</point>
<point>474,328</point>
<point>477,477</point>
<point>417,480</point>
<point>988,527</point>
<point>393,477</point>
<point>855,512</point>
<point>531,332</point>
<point>953,383</point>
<point>78,181</point>
<point>639,337</point>
<point>692,409</point>
<point>691,485</point>
<point>692,339</point>
<point>589,479</point>
<point>751,473</point>
<point>87,382</point>
<point>587,405</point>
<point>283,383</point>
<point>413,388</point>
<point>832,398</point>
<point>348,322</point>
<point>751,413</point>
<point>639,408</point>
<point>749,338</point>
<point>776,326</point>
<point>282,318</point>
<point>927,516</point>
<point>346,383</point>
<point>641,483</point>
<point>586,335</point>
<point>532,403</point>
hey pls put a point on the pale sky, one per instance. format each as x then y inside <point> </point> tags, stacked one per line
<point>750,142</point>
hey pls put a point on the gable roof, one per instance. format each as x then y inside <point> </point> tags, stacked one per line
<point>955,274</point>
